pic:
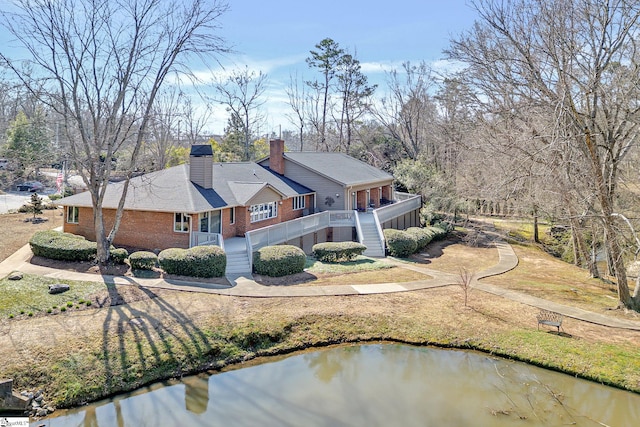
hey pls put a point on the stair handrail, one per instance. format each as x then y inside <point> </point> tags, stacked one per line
<point>376,221</point>
<point>359,232</point>
<point>249,249</point>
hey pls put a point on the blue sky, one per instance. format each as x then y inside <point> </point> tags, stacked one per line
<point>276,36</point>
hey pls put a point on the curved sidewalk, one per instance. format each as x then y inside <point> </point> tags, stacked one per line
<point>246,287</point>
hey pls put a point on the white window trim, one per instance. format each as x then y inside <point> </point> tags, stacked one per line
<point>184,221</point>
<point>299,203</point>
<point>263,211</point>
<point>232,214</point>
<point>70,217</point>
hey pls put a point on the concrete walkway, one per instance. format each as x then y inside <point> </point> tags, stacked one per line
<point>243,286</point>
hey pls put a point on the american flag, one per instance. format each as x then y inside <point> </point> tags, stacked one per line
<point>59,180</point>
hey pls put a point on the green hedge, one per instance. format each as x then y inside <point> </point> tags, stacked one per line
<point>422,235</point>
<point>400,243</point>
<point>118,256</point>
<point>62,246</point>
<point>440,230</point>
<point>280,260</point>
<point>337,251</point>
<point>199,261</point>
<point>143,260</point>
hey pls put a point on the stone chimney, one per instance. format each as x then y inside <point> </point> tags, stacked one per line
<point>276,156</point>
<point>201,165</point>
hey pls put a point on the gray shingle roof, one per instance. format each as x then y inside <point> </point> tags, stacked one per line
<point>170,190</point>
<point>339,167</point>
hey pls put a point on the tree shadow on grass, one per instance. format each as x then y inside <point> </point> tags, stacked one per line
<point>147,340</point>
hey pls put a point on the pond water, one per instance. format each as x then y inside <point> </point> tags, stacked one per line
<point>368,385</point>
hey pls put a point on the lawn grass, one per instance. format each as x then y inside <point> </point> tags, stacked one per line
<point>31,295</point>
<point>86,355</point>
<point>361,263</point>
<point>542,275</point>
<point>388,275</point>
<point>363,270</point>
<point>522,230</point>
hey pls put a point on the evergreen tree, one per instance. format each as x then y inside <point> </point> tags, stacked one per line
<point>35,205</point>
<point>27,142</point>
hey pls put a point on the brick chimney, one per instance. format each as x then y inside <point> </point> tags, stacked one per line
<point>276,156</point>
<point>201,165</point>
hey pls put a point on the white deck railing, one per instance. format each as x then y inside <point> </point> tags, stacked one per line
<point>283,232</point>
<point>199,238</point>
<point>405,204</point>
<point>280,233</point>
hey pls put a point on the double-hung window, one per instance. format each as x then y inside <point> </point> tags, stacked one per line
<point>181,222</point>
<point>264,211</point>
<point>72,214</point>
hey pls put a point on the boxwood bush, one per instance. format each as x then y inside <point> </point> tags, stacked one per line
<point>337,251</point>
<point>439,231</point>
<point>118,256</point>
<point>199,261</point>
<point>422,235</point>
<point>400,243</point>
<point>280,260</point>
<point>143,260</point>
<point>62,246</point>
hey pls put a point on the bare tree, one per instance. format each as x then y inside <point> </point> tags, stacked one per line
<point>103,64</point>
<point>466,279</point>
<point>242,93</point>
<point>193,120</point>
<point>577,61</point>
<point>407,111</point>
<point>298,103</point>
<point>163,126</point>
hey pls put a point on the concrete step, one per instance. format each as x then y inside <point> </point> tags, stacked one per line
<point>237,262</point>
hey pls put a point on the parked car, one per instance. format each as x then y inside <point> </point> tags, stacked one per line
<point>31,186</point>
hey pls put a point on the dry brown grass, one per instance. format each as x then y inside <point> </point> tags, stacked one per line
<point>86,354</point>
<point>451,255</point>
<point>394,274</point>
<point>15,232</point>
<point>545,276</point>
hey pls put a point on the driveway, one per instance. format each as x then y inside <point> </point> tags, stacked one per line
<point>12,200</point>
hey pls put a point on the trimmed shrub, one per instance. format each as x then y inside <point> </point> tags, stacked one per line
<point>438,232</point>
<point>337,251</point>
<point>199,261</point>
<point>118,255</point>
<point>62,246</point>
<point>399,243</point>
<point>423,237</point>
<point>143,260</point>
<point>280,260</point>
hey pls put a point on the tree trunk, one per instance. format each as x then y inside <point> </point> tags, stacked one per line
<point>577,256</point>
<point>102,242</point>
<point>536,236</point>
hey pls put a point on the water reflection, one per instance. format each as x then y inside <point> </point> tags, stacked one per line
<point>196,393</point>
<point>372,385</point>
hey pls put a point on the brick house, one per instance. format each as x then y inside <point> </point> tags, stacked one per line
<point>205,202</point>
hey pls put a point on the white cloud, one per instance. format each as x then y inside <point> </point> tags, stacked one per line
<point>379,67</point>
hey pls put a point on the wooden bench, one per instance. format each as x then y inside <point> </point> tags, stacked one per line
<point>549,318</point>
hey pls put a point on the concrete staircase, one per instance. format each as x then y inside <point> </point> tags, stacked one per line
<point>370,237</point>
<point>237,259</point>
